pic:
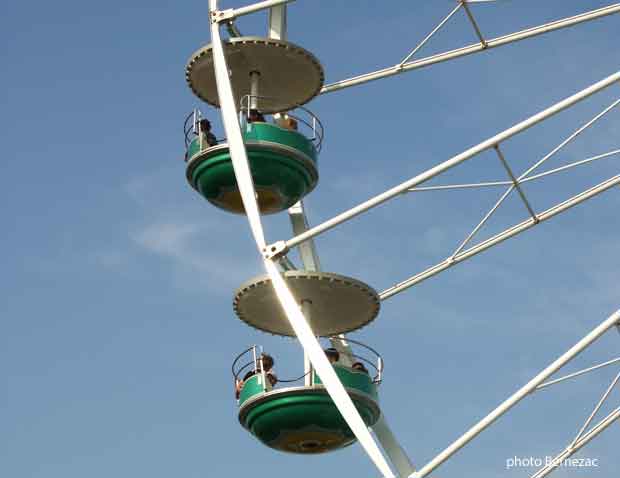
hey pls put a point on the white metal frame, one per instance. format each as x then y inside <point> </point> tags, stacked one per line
<point>531,386</point>
<point>470,49</point>
<point>304,234</point>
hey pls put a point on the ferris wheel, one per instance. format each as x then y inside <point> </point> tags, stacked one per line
<point>268,163</point>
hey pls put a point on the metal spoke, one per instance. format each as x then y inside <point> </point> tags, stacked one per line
<point>571,165</point>
<point>519,395</point>
<point>515,182</point>
<point>282,246</point>
<point>600,427</point>
<point>577,374</point>
<point>428,37</point>
<point>502,236</point>
<point>474,24</point>
<point>483,222</point>
<point>470,49</point>
<point>596,409</point>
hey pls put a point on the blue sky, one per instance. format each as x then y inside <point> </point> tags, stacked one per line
<point>115,294</point>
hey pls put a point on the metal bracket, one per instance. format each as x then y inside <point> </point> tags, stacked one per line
<point>222,15</point>
<point>275,250</point>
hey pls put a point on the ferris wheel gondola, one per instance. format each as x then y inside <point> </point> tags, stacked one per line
<point>267,166</point>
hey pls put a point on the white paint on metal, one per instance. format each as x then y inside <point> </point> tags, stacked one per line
<point>446,165</point>
<point>244,180</point>
<point>502,236</point>
<point>569,451</point>
<point>578,373</point>
<point>475,48</point>
<point>392,448</point>
<point>523,392</point>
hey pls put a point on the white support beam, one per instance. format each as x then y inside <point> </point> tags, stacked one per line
<point>283,246</point>
<point>430,35</point>
<point>523,392</point>
<point>307,250</point>
<point>398,457</point>
<point>473,22</point>
<point>502,236</point>
<point>569,451</point>
<point>595,411</point>
<point>277,22</point>
<point>225,15</point>
<point>578,373</point>
<point>311,262</point>
<point>289,304</point>
<point>475,48</point>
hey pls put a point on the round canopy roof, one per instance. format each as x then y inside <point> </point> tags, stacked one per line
<point>289,75</point>
<point>339,304</point>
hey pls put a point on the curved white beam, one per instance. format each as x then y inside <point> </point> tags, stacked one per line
<point>303,331</point>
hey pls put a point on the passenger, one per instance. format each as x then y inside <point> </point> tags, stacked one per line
<point>332,355</point>
<point>204,131</point>
<point>238,387</point>
<point>359,366</point>
<point>286,122</point>
<point>272,379</point>
<point>255,116</point>
<point>267,361</point>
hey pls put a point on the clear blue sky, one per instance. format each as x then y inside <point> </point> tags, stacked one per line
<point>116,278</point>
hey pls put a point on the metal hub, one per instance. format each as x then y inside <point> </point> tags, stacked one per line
<point>339,304</point>
<point>289,75</point>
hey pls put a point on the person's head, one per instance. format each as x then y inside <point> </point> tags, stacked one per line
<point>267,361</point>
<point>359,366</point>
<point>332,355</point>
<point>205,125</point>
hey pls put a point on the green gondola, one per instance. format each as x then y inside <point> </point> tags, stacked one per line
<point>282,161</point>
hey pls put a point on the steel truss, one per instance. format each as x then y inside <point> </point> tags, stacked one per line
<point>537,383</point>
<point>275,253</point>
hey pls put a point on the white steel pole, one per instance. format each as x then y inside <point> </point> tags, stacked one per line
<point>502,236</point>
<point>523,392</point>
<point>277,22</point>
<point>578,373</point>
<point>307,250</point>
<point>254,92</point>
<point>306,306</point>
<point>256,7</point>
<point>569,451</point>
<point>440,168</point>
<point>392,448</point>
<point>474,48</point>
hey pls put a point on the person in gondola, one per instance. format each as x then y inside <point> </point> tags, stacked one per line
<point>207,138</point>
<point>256,116</point>
<point>359,367</point>
<point>267,363</point>
<point>332,355</point>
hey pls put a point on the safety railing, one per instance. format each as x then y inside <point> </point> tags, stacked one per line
<point>302,117</point>
<point>375,362</point>
<point>193,130</point>
<point>250,360</point>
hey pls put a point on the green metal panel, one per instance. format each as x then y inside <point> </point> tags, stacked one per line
<point>252,386</point>
<point>353,379</point>
<point>276,134</point>
<point>281,176</point>
<point>305,421</point>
